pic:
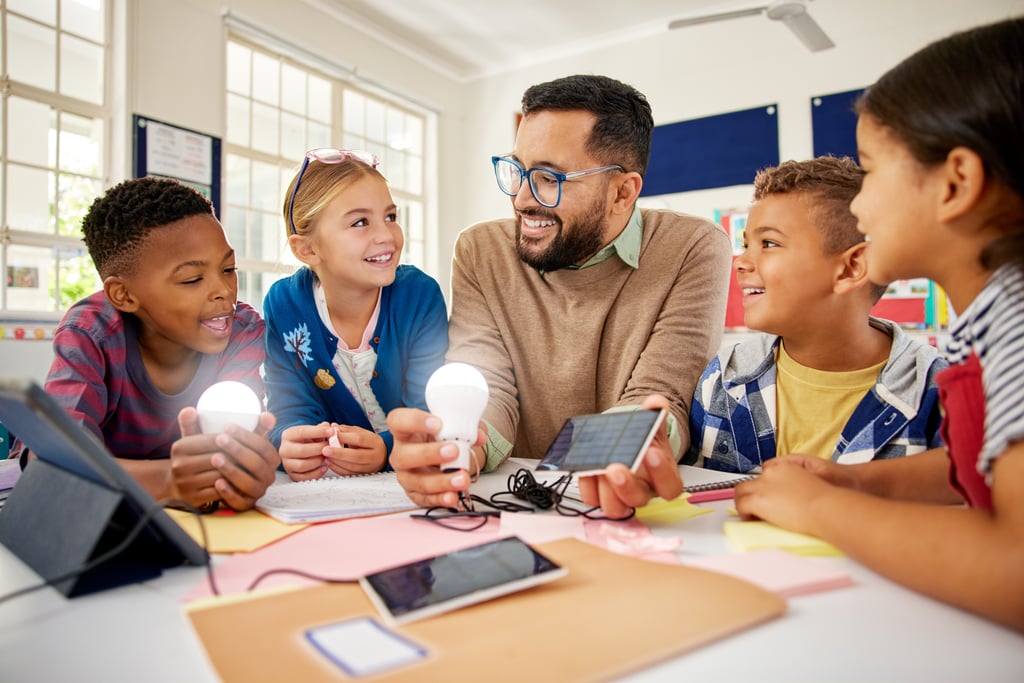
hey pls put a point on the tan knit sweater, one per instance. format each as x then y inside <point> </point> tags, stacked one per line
<point>573,342</point>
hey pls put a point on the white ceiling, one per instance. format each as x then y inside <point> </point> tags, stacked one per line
<point>470,39</point>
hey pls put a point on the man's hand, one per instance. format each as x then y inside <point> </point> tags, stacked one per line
<point>418,458</point>
<point>618,490</point>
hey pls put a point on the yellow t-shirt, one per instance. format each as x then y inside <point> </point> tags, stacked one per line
<point>813,406</point>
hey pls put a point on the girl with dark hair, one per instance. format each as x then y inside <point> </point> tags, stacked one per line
<point>941,137</point>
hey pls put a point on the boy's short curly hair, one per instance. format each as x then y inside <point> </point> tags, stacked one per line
<point>117,224</point>
<point>830,183</point>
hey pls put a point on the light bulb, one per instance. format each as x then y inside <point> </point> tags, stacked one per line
<point>228,402</point>
<point>457,394</point>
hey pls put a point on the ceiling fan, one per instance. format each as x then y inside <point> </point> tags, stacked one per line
<point>793,14</point>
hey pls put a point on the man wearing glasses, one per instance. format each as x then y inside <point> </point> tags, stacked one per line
<point>579,304</point>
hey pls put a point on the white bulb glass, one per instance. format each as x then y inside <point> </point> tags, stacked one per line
<point>228,402</point>
<point>457,394</point>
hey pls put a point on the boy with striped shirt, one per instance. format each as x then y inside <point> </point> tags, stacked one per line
<point>131,360</point>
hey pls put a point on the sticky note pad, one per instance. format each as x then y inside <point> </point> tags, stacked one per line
<point>756,535</point>
<point>661,511</point>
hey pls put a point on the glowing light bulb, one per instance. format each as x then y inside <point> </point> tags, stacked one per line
<point>457,394</point>
<point>228,402</point>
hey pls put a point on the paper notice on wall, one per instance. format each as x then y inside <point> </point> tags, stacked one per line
<point>178,153</point>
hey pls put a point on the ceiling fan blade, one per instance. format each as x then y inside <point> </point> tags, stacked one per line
<point>708,18</point>
<point>794,15</point>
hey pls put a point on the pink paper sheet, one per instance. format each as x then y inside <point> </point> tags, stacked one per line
<point>345,549</point>
<point>778,571</point>
<point>348,549</point>
<point>542,527</point>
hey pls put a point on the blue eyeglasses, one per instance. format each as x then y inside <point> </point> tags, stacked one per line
<point>545,184</point>
<point>325,155</point>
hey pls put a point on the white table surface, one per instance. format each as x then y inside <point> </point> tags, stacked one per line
<point>874,630</point>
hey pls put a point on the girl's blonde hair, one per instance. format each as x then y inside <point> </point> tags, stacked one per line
<point>321,184</point>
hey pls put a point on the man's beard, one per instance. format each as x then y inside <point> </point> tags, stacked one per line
<point>572,243</point>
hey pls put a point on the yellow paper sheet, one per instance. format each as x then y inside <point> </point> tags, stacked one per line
<point>234,532</point>
<point>757,535</point>
<point>661,511</point>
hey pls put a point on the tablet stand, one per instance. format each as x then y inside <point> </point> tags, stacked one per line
<point>56,521</point>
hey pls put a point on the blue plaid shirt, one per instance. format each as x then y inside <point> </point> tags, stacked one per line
<point>732,427</point>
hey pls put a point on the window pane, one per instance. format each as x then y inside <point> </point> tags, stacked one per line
<point>28,132</point>
<point>77,276</point>
<point>319,99</point>
<point>76,196</point>
<point>238,120</point>
<point>43,10</point>
<point>377,149</point>
<point>414,134</point>
<point>412,220</point>
<point>234,228</point>
<point>265,129</point>
<point>271,231</point>
<point>239,68</point>
<point>396,129</point>
<point>393,166</point>
<point>352,141</point>
<point>81,144</point>
<point>29,195</point>
<point>319,136</point>
<point>264,78</point>
<point>293,89</point>
<point>32,54</point>
<point>31,278</point>
<point>374,121</point>
<point>413,174</point>
<point>84,18</point>
<point>266,187</point>
<point>81,69</point>
<point>353,106</point>
<point>264,231</point>
<point>237,190</point>
<point>293,136</point>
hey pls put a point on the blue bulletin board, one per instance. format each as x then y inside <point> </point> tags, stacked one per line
<point>834,125</point>
<point>714,151</point>
<point>169,151</point>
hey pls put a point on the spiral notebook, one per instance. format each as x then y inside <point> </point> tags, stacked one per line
<point>330,498</point>
<point>698,479</point>
<point>702,486</point>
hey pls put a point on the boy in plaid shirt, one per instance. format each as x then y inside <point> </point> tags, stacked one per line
<point>824,378</point>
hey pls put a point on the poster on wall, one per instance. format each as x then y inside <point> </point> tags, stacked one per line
<point>169,151</point>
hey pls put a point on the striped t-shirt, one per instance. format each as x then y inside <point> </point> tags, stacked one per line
<point>990,327</point>
<point>99,378</point>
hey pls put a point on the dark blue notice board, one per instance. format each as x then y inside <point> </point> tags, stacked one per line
<point>714,151</point>
<point>834,124</point>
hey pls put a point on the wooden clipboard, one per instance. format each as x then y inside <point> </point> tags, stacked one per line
<point>612,614</point>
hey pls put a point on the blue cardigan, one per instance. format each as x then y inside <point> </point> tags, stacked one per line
<point>410,340</point>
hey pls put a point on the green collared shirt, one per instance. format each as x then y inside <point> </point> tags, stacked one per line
<point>627,247</point>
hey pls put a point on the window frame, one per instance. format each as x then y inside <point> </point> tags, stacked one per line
<point>257,274</point>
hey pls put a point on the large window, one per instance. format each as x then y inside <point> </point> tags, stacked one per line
<point>277,109</point>
<point>54,149</point>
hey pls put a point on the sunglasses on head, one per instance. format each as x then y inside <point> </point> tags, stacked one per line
<point>326,155</point>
